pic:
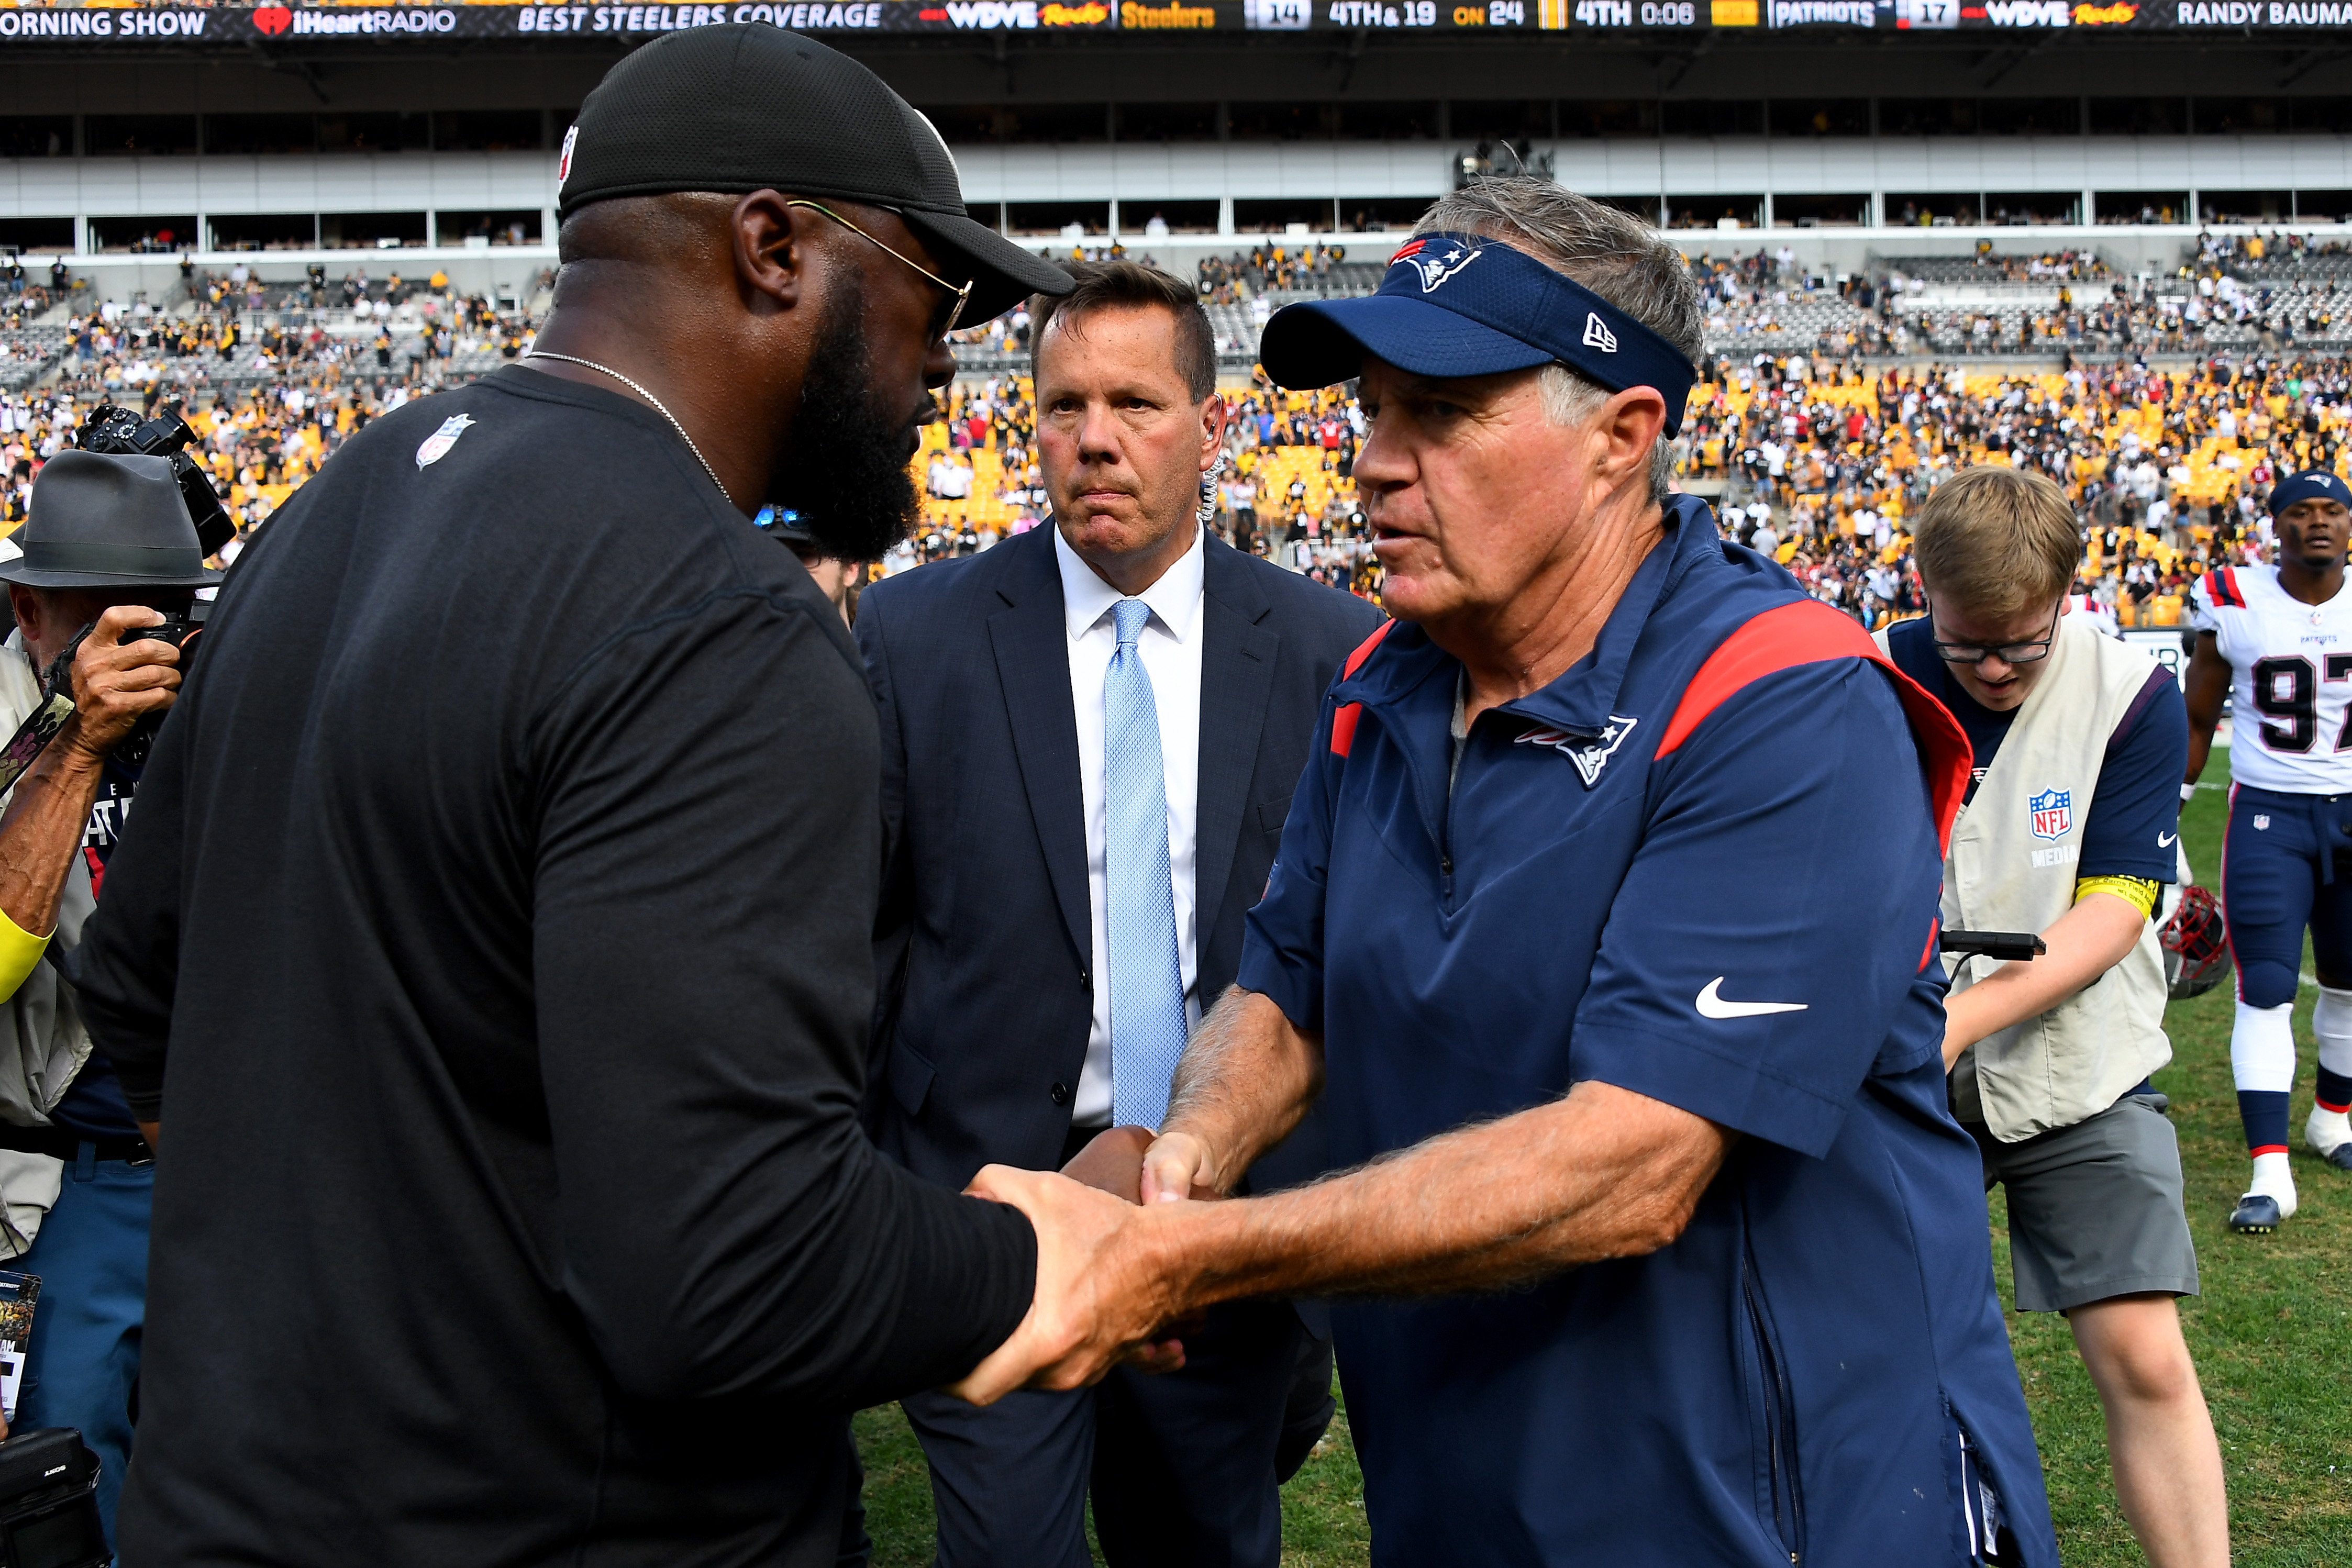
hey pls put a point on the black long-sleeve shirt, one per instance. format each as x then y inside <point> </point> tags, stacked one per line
<point>491,936</point>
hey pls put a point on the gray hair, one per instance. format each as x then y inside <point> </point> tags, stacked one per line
<point>1614,254</point>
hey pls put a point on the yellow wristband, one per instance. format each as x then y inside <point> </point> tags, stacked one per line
<point>20,951</point>
<point>2136,891</point>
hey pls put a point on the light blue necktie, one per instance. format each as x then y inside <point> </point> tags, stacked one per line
<point>1147,986</point>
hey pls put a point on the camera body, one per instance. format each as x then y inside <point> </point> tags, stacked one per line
<point>57,681</point>
<point>119,432</point>
<point>48,1501</point>
<point>173,629</point>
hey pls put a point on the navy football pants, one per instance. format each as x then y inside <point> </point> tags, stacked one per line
<point>2273,887</point>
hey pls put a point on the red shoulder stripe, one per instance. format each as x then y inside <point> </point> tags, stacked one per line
<point>1808,633</point>
<point>2231,596</point>
<point>1343,723</point>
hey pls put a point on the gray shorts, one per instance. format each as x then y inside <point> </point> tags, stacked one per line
<point>2094,1210</point>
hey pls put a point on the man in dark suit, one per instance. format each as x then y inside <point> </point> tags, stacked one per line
<point>1090,737</point>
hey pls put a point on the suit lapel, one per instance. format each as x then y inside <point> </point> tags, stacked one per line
<point>1237,656</point>
<point>1032,664</point>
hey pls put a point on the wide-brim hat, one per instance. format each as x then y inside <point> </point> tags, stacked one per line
<point>744,106</point>
<point>105,521</point>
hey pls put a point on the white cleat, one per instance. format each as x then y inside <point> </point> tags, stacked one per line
<point>2329,1139</point>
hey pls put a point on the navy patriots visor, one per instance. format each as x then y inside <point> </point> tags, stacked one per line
<point>1462,305</point>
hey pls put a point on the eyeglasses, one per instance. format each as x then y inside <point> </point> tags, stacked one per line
<point>962,296</point>
<point>2007,653</point>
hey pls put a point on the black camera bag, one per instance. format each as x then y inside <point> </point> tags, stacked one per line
<point>49,1502</point>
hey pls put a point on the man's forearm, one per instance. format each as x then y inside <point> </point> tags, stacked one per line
<point>1604,1173</point>
<point>43,830</point>
<point>1247,1079</point>
<point>2085,942</point>
<point>2200,748</point>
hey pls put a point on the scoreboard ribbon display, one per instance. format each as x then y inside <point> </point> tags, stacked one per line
<point>170,27</point>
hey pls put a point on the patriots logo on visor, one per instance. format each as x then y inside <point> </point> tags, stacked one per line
<point>1437,267</point>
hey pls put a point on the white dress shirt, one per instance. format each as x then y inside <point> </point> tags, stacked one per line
<point>1170,646</point>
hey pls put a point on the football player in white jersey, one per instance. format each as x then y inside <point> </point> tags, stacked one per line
<point>2281,636</point>
<point>2081,601</point>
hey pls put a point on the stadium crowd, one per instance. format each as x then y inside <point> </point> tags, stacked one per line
<point>2165,467</point>
<point>231,330</point>
<point>1816,456</point>
<point>1819,468</point>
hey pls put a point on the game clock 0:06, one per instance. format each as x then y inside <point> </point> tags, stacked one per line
<point>1669,13</point>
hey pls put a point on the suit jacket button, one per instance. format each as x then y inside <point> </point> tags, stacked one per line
<point>1060,1093</point>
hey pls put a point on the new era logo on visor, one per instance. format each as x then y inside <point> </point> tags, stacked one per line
<point>1597,334</point>
<point>563,163</point>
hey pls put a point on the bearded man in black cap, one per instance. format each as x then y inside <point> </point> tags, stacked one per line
<point>107,549</point>
<point>494,942</point>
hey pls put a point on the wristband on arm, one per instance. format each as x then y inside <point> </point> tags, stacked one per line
<point>20,951</point>
<point>2140,892</point>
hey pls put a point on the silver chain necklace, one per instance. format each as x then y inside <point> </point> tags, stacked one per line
<point>658,405</point>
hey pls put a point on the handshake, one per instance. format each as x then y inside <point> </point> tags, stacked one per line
<point>1120,1275</point>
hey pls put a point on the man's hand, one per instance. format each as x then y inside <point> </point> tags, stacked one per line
<point>1112,1162</point>
<point>1176,1166</point>
<point>1097,1300</point>
<point>117,684</point>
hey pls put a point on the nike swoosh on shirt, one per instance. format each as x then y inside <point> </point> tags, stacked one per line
<point>1711,1006</point>
<point>2166,840</point>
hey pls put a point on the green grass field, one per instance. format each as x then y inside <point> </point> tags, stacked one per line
<point>2271,1336</point>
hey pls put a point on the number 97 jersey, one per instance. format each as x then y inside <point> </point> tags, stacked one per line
<point>2291,675</point>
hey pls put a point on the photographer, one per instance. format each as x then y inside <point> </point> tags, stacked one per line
<point>108,548</point>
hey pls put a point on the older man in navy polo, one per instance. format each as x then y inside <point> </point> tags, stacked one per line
<point>1604,927</point>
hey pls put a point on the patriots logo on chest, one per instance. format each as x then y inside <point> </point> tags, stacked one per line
<point>1589,753</point>
<point>2051,812</point>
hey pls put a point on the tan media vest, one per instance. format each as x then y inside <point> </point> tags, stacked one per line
<point>2012,866</point>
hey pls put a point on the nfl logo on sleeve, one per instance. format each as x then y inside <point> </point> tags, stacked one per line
<point>2053,813</point>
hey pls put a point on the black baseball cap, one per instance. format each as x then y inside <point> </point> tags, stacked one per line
<point>745,106</point>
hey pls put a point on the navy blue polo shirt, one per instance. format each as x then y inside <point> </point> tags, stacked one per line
<point>1734,916</point>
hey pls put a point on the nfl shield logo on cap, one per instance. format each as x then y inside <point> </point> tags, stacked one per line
<point>2053,813</point>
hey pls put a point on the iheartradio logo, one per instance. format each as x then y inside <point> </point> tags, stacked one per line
<point>272,20</point>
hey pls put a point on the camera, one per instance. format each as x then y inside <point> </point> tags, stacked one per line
<point>119,432</point>
<point>48,1501</point>
<point>173,629</point>
<point>180,631</point>
<point>2013,946</point>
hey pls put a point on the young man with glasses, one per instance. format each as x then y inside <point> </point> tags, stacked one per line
<point>2070,828</point>
<point>2282,634</point>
